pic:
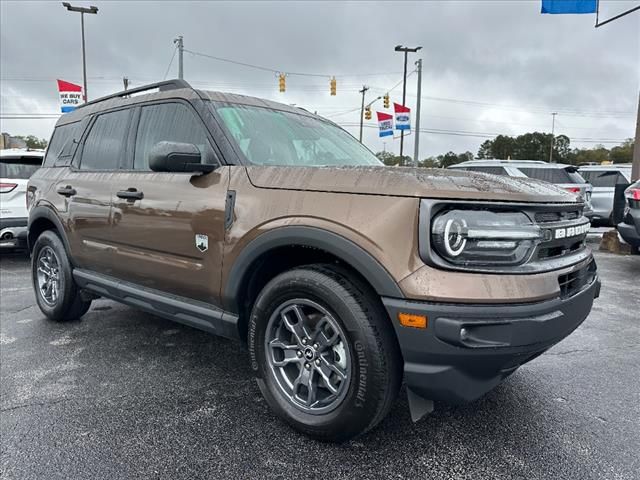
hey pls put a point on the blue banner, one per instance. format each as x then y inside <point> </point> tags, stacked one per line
<point>569,6</point>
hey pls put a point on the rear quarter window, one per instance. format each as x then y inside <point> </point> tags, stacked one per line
<point>63,144</point>
<point>552,175</point>
<point>604,178</point>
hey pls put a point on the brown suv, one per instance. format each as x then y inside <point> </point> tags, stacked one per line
<point>262,222</point>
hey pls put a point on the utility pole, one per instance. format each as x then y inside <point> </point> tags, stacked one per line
<point>635,166</point>
<point>363,91</point>
<point>416,145</point>
<point>82,11</point>
<point>180,44</point>
<point>406,50</point>
<point>553,128</point>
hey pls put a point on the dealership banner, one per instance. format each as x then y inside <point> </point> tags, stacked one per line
<point>385,123</point>
<point>569,6</point>
<point>403,117</point>
<point>71,96</point>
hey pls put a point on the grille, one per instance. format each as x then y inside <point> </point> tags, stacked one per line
<point>574,282</point>
<point>547,217</point>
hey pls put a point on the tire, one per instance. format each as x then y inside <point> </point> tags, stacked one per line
<point>50,255</point>
<point>367,352</point>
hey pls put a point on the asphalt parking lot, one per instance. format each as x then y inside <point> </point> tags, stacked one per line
<point>122,394</point>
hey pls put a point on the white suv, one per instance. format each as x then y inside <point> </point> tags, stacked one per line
<point>16,166</point>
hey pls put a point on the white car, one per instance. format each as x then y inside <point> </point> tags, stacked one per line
<point>16,166</point>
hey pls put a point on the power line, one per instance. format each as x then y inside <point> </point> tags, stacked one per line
<point>170,62</point>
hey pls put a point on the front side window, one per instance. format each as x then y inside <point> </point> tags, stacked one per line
<point>491,170</point>
<point>105,144</point>
<point>274,137</point>
<point>169,122</point>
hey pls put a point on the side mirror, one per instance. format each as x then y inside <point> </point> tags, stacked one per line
<point>177,157</point>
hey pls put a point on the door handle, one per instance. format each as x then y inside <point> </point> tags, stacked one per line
<point>130,194</point>
<point>67,191</point>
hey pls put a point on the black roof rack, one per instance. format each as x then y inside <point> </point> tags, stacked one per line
<point>162,86</point>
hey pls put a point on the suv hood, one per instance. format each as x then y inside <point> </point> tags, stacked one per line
<point>408,182</point>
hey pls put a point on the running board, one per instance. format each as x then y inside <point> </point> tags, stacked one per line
<point>201,315</point>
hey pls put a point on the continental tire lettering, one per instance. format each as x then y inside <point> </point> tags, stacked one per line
<point>252,352</point>
<point>363,366</point>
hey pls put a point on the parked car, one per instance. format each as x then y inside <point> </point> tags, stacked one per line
<point>604,179</point>
<point>16,166</point>
<point>629,228</point>
<point>263,222</point>
<point>564,176</point>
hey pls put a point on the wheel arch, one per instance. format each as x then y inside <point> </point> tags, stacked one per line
<point>43,218</point>
<point>295,246</point>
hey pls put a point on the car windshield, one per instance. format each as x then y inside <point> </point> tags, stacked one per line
<point>19,169</point>
<point>552,175</point>
<point>274,137</point>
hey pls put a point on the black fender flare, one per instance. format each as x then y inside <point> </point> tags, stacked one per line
<point>347,251</point>
<point>46,212</point>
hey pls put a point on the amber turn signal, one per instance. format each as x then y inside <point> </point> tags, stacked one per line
<point>412,320</point>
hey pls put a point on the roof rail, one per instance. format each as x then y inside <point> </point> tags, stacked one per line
<point>162,86</point>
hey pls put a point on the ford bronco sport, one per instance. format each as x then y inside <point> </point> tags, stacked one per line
<point>262,222</point>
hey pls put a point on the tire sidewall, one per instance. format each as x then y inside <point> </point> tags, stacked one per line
<point>361,401</point>
<point>66,287</point>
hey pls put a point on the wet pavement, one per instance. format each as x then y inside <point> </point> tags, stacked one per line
<point>122,394</point>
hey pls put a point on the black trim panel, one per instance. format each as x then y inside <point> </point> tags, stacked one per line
<point>195,314</point>
<point>42,211</point>
<point>344,249</point>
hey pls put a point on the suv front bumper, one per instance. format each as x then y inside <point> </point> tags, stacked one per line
<point>466,350</point>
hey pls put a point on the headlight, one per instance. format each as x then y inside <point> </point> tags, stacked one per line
<point>482,237</point>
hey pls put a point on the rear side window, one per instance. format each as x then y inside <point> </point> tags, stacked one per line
<point>604,178</point>
<point>552,175</point>
<point>105,144</point>
<point>19,168</point>
<point>63,145</point>
<point>492,170</point>
<point>169,122</point>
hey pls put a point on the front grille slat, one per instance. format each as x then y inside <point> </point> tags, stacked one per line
<point>573,282</point>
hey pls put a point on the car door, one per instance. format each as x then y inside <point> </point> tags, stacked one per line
<point>169,227</point>
<point>86,186</point>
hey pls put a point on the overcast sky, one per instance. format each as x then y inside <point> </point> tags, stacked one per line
<point>489,67</point>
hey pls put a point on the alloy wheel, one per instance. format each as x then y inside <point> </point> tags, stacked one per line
<point>308,356</point>
<point>48,267</point>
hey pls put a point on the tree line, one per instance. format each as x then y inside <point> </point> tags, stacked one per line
<point>529,146</point>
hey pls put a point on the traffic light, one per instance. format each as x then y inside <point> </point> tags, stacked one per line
<point>282,82</point>
<point>367,112</point>
<point>385,100</point>
<point>333,85</point>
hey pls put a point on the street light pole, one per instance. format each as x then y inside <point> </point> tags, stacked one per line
<point>82,11</point>
<point>406,50</point>
<point>553,129</point>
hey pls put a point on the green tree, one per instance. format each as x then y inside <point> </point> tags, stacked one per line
<point>387,158</point>
<point>34,142</point>
<point>622,153</point>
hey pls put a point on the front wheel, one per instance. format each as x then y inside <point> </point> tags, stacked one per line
<point>324,352</point>
<point>56,292</point>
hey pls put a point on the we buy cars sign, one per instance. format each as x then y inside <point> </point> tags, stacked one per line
<point>403,116</point>
<point>385,123</point>
<point>71,96</point>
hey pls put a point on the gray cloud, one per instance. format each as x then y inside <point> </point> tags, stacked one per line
<point>494,53</point>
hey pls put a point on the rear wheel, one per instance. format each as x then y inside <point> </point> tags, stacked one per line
<point>56,292</point>
<point>326,359</point>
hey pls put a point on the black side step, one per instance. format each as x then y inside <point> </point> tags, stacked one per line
<point>201,315</point>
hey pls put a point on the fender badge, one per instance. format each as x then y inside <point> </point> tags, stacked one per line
<point>202,242</point>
